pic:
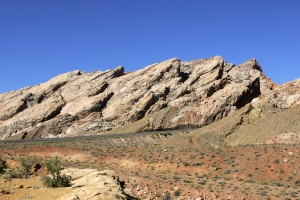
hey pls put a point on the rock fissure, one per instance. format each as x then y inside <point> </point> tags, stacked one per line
<point>252,91</point>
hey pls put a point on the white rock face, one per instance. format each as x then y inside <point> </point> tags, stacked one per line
<point>169,95</point>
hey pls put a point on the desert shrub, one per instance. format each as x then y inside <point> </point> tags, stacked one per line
<point>202,182</point>
<point>56,180</point>
<point>3,165</point>
<point>27,164</point>
<point>62,181</point>
<point>11,174</point>
<point>167,196</point>
<point>276,161</point>
<point>177,193</point>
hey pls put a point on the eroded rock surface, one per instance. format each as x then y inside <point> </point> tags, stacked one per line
<point>91,184</point>
<point>282,97</point>
<point>167,95</point>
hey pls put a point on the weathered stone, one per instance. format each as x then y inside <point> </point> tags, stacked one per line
<point>291,154</point>
<point>94,184</point>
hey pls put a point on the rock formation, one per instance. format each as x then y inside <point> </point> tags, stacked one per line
<point>273,117</point>
<point>167,95</point>
<point>89,184</point>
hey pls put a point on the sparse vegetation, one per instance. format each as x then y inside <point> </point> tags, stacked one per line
<point>276,161</point>
<point>2,165</point>
<point>11,174</point>
<point>242,171</point>
<point>167,196</point>
<point>177,193</point>
<point>27,164</point>
<point>53,166</point>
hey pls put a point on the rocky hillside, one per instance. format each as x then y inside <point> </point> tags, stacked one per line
<point>167,95</point>
<point>273,117</point>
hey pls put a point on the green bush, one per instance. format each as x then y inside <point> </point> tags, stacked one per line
<point>62,181</point>
<point>177,193</point>
<point>27,164</point>
<point>11,174</point>
<point>56,179</point>
<point>3,166</point>
<point>167,196</point>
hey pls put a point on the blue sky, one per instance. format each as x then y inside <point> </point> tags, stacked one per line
<point>42,39</point>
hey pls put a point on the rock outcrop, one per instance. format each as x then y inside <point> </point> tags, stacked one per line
<point>167,95</point>
<point>273,117</point>
<point>89,184</point>
<point>282,97</point>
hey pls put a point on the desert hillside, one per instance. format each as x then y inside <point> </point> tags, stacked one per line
<point>210,130</point>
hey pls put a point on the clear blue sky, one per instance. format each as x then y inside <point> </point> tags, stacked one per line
<point>40,39</point>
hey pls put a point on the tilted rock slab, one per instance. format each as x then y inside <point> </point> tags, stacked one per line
<point>167,95</point>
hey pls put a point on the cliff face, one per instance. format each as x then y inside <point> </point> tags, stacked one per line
<point>167,95</point>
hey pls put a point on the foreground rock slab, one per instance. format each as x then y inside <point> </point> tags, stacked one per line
<point>94,185</point>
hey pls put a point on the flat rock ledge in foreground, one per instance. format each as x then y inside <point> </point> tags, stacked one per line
<point>91,184</point>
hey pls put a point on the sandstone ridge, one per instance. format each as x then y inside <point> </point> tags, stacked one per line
<point>167,95</point>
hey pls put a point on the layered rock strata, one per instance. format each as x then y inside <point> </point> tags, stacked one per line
<point>167,95</point>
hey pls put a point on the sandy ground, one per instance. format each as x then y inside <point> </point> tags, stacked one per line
<point>177,165</point>
<point>31,188</point>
